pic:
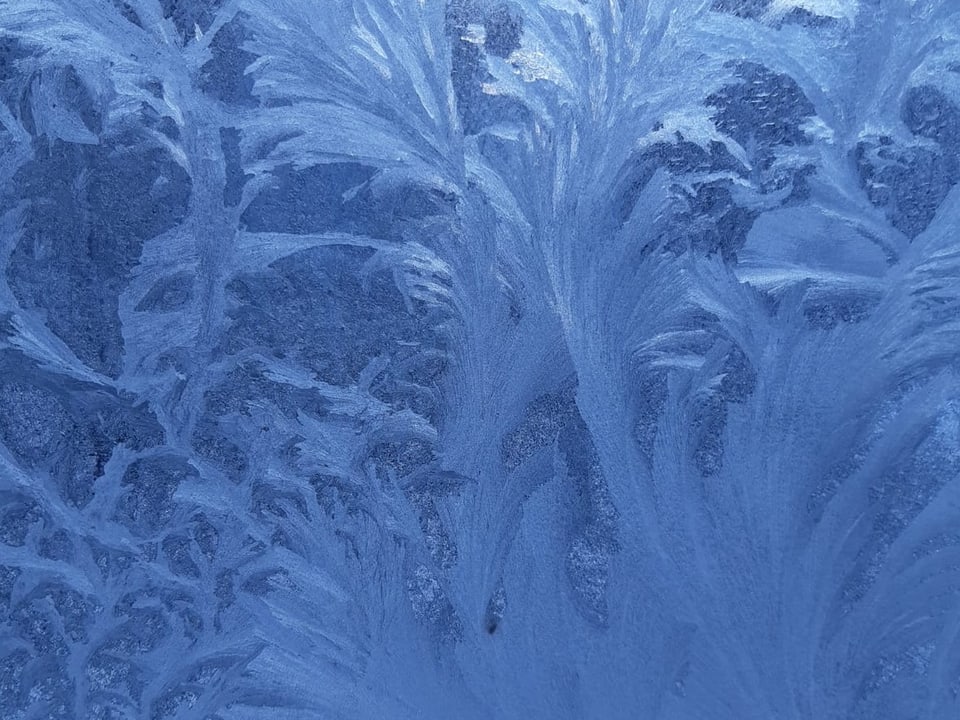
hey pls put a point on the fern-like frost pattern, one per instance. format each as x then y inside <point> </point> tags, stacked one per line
<point>479,359</point>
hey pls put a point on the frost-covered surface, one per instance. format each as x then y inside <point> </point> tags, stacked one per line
<point>389,359</point>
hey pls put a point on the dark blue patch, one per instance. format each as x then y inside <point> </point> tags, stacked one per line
<point>741,8</point>
<point>314,307</point>
<point>147,505</point>
<point>206,536</point>
<point>711,223</point>
<point>187,14</point>
<point>233,166</point>
<point>127,12</point>
<point>168,293</point>
<point>739,377</point>
<point>708,424</point>
<point>144,631</point>
<point>413,383</point>
<point>432,606</point>
<point>827,313</point>
<point>651,396</point>
<point>477,109</point>
<point>57,546</point>
<point>927,112</point>
<point>910,182</point>
<point>677,158</point>
<point>12,669</point>
<point>89,450</point>
<point>800,184</point>
<point>764,110</point>
<point>176,549</point>
<point>154,87</point>
<point>247,385</point>
<point>390,213</point>
<point>51,422</point>
<point>47,684</point>
<point>18,515</point>
<point>34,421</point>
<point>110,562</point>
<point>75,94</point>
<point>82,236</point>
<point>107,673</point>
<point>307,201</point>
<point>165,124</point>
<point>12,50</point>
<point>403,457</point>
<point>224,75</point>
<point>335,496</point>
<point>214,443</point>
<point>806,18</point>
<point>62,83</point>
<point>441,546</point>
<point>77,612</point>
<point>543,418</point>
<point>593,521</point>
<point>504,29</point>
<point>36,623</point>
<point>271,503</point>
<point>459,14</point>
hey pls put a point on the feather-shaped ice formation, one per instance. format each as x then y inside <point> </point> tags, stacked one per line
<point>479,359</point>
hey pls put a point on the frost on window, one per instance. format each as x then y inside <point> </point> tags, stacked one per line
<point>479,359</point>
